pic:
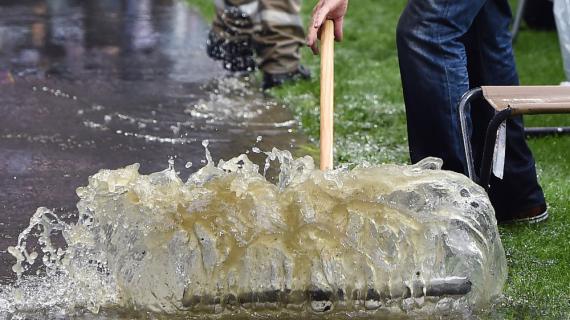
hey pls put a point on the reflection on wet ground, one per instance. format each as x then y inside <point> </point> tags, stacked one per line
<point>86,85</point>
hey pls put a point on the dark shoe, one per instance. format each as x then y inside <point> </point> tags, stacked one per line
<point>236,54</point>
<point>273,80</point>
<point>533,215</point>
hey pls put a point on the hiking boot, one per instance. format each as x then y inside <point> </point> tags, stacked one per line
<point>532,215</point>
<point>273,80</point>
<point>236,54</point>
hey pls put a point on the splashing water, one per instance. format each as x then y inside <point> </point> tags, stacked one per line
<point>373,240</point>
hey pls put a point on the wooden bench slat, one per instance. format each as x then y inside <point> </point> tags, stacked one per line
<point>529,99</point>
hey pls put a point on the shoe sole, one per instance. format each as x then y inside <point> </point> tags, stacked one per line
<point>532,220</point>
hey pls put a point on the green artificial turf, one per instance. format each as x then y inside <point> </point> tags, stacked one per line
<point>370,126</point>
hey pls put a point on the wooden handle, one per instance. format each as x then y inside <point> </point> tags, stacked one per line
<point>327,95</point>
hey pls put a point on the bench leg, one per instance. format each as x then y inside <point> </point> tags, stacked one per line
<point>489,148</point>
<point>464,110</point>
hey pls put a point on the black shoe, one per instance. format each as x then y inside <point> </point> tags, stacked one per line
<point>532,215</point>
<point>237,54</point>
<point>274,80</point>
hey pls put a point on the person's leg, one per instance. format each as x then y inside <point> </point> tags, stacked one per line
<point>433,66</point>
<point>281,36</point>
<point>231,37</point>
<point>491,62</point>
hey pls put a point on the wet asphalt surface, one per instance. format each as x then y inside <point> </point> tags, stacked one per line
<point>87,85</point>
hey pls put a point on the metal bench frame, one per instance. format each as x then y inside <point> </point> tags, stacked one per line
<point>555,100</point>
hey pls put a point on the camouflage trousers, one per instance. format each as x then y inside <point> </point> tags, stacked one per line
<point>270,28</point>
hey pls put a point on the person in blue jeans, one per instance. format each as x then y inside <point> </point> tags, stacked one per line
<point>446,47</point>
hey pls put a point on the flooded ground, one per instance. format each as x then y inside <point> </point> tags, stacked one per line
<point>86,85</point>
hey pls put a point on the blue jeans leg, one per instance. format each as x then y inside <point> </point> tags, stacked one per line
<point>491,62</point>
<point>433,66</point>
<point>437,43</point>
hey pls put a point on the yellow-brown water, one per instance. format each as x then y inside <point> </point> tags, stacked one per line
<point>373,240</point>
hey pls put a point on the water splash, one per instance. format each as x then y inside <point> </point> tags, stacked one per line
<point>366,241</point>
